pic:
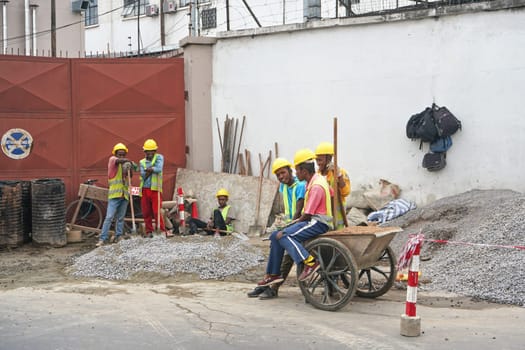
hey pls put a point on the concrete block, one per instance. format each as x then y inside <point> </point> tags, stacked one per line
<point>410,326</point>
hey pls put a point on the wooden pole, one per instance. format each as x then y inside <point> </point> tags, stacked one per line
<point>337,194</point>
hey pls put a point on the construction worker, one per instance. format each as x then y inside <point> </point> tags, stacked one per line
<point>315,219</point>
<point>324,154</point>
<point>221,220</point>
<point>293,192</point>
<point>118,193</point>
<point>151,188</point>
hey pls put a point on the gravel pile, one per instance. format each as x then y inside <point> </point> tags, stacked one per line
<point>207,257</point>
<point>488,217</point>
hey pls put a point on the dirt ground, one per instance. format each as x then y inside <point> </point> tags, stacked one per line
<point>36,266</point>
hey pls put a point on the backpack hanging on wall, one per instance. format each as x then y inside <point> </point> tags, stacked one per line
<point>446,123</point>
<point>422,126</point>
<point>441,145</point>
<point>434,161</point>
<point>434,125</point>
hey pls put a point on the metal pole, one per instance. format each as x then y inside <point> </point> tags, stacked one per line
<point>27,29</point>
<point>33,32</point>
<point>4,30</point>
<point>53,29</point>
<point>138,29</point>
<point>227,14</point>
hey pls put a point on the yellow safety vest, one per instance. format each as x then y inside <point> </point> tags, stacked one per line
<point>344,192</point>
<point>224,213</point>
<point>118,188</point>
<point>156,179</point>
<point>289,212</point>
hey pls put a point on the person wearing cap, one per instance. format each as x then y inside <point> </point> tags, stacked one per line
<point>221,220</point>
<point>151,167</point>
<point>292,191</point>
<point>118,193</point>
<point>324,154</point>
<point>315,219</point>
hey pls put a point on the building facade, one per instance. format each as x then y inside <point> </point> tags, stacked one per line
<point>42,27</point>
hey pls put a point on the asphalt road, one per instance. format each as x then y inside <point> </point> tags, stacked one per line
<point>218,315</point>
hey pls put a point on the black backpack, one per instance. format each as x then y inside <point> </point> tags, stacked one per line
<point>446,123</point>
<point>422,126</point>
<point>434,161</point>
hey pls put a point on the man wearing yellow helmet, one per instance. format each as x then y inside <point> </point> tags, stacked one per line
<point>315,219</point>
<point>324,154</point>
<point>293,192</point>
<point>151,188</point>
<point>118,194</point>
<point>221,218</point>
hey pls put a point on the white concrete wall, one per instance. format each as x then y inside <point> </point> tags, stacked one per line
<point>291,84</point>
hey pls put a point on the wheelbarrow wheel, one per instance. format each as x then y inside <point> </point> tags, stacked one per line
<point>378,279</point>
<point>334,284</point>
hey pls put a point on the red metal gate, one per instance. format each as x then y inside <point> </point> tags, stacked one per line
<point>75,110</point>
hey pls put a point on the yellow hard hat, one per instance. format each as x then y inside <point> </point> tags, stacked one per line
<point>325,148</point>
<point>222,192</point>
<point>119,146</point>
<point>302,156</point>
<point>150,145</point>
<point>279,163</point>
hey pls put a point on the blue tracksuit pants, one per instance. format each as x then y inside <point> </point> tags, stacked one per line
<point>291,241</point>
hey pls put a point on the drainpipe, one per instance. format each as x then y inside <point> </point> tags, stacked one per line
<point>33,33</point>
<point>27,27</point>
<point>4,29</point>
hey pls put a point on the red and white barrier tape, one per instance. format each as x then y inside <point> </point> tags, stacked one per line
<point>444,241</point>
<point>414,241</point>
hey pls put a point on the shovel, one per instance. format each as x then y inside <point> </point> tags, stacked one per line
<point>133,226</point>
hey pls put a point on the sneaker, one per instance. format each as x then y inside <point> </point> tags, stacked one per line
<point>268,281</point>
<point>148,235</point>
<point>308,271</point>
<point>116,239</point>
<point>256,292</point>
<point>169,234</point>
<point>100,243</point>
<point>269,293</point>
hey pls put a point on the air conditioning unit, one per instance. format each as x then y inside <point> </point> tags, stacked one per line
<point>79,5</point>
<point>152,10</point>
<point>170,6</point>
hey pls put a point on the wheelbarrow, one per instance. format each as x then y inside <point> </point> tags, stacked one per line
<point>356,260</point>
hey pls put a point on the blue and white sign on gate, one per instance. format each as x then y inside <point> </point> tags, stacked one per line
<point>17,143</point>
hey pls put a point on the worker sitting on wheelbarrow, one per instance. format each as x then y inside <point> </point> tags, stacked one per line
<point>220,222</point>
<point>293,192</point>
<point>316,219</point>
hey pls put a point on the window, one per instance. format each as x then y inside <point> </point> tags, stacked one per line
<point>209,18</point>
<point>130,7</point>
<point>92,13</point>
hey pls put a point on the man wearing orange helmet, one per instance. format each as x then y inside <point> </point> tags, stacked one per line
<point>221,219</point>
<point>118,194</point>
<point>315,219</point>
<point>151,188</point>
<point>324,154</point>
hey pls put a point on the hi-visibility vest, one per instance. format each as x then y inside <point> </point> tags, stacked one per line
<point>224,213</point>
<point>343,192</point>
<point>289,211</point>
<point>321,181</point>
<point>156,179</point>
<point>118,188</point>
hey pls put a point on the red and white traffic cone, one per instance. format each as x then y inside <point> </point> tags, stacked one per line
<point>180,202</point>
<point>410,322</point>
